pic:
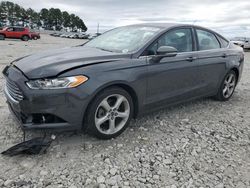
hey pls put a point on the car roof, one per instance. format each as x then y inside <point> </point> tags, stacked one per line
<point>16,26</point>
<point>20,27</point>
<point>171,25</point>
<point>166,26</point>
<point>162,25</point>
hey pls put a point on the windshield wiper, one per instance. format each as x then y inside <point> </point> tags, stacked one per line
<point>104,49</point>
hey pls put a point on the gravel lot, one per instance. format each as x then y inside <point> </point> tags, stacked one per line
<point>203,143</point>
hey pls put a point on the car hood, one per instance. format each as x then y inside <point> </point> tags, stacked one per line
<point>52,63</point>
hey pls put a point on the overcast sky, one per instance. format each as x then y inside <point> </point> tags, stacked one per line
<point>230,17</point>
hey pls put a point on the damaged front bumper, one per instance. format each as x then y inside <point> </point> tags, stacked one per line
<point>43,109</point>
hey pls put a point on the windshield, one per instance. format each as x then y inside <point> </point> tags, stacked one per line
<point>124,39</point>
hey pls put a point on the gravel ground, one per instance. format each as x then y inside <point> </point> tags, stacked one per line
<point>203,143</point>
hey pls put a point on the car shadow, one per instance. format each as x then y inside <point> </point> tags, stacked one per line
<point>142,130</point>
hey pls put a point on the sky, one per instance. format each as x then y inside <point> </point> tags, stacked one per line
<point>229,17</point>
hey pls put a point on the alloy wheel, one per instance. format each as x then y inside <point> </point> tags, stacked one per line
<point>229,85</point>
<point>112,114</point>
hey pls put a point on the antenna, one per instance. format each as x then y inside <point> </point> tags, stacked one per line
<point>98,27</point>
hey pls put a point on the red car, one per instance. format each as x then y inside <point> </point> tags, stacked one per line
<point>35,35</point>
<point>22,33</point>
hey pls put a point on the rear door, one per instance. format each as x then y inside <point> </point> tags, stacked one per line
<point>18,32</point>
<point>173,78</point>
<point>212,58</point>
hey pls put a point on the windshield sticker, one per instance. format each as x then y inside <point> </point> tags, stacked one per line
<point>125,51</point>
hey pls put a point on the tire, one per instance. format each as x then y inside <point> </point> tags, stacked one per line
<point>227,86</point>
<point>2,37</point>
<point>35,38</point>
<point>113,109</point>
<point>25,38</point>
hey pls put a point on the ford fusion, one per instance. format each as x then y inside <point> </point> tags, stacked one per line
<point>126,72</point>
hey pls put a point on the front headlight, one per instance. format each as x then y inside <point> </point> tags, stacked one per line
<point>57,83</point>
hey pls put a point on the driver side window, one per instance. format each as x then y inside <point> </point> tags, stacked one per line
<point>10,29</point>
<point>181,39</point>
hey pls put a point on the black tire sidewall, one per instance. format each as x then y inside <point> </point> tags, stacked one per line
<point>220,95</point>
<point>2,37</point>
<point>25,38</point>
<point>89,123</point>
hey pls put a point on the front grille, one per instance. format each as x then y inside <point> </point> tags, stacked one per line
<point>13,90</point>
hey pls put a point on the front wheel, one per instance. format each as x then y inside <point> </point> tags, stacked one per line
<point>25,38</point>
<point>2,37</point>
<point>110,113</point>
<point>227,87</point>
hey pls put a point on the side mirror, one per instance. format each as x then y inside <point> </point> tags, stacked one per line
<point>164,51</point>
<point>167,50</point>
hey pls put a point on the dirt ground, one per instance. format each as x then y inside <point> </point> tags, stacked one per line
<point>204,143</point>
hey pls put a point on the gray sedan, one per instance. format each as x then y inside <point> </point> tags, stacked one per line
<point>119,75</point>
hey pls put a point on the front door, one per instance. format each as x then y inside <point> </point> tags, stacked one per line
<point>176,78</point>
<point>10,32</point>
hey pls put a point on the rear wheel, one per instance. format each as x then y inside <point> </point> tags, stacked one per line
<point>110,113</point>
<point>35,38</point>
<point>25,38</point>
<point>2,37</point>
<point>227,87</point>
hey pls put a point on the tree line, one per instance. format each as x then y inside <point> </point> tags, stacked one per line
<point>51,19</point>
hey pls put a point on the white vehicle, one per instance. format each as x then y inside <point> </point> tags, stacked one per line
<point>247,44</point>
<point>242,42</point>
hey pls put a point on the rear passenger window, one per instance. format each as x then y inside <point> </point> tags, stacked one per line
<point>207,40</point>
<point>19,29</point>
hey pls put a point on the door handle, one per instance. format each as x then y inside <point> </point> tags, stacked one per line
<point>224,55</point>
<point>191,58</point>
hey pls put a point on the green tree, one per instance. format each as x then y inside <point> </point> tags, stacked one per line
<point>44,17</point>
<point>52,18</point>
<point>55,18</point>
<point>72,24</point>
<point>66,19</point>
<point>81,24</point>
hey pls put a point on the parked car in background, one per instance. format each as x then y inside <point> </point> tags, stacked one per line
<point>100,85</point>
<point>22,33</point>
<point>35,35</point>
<point>62,35</point>
<point>65,35</point>
<point>74,36</point>
<point>92,36</point>
<point>83,36</point>
<point>242,42</point>
<point>71,35</point>
<point>57,34</point>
